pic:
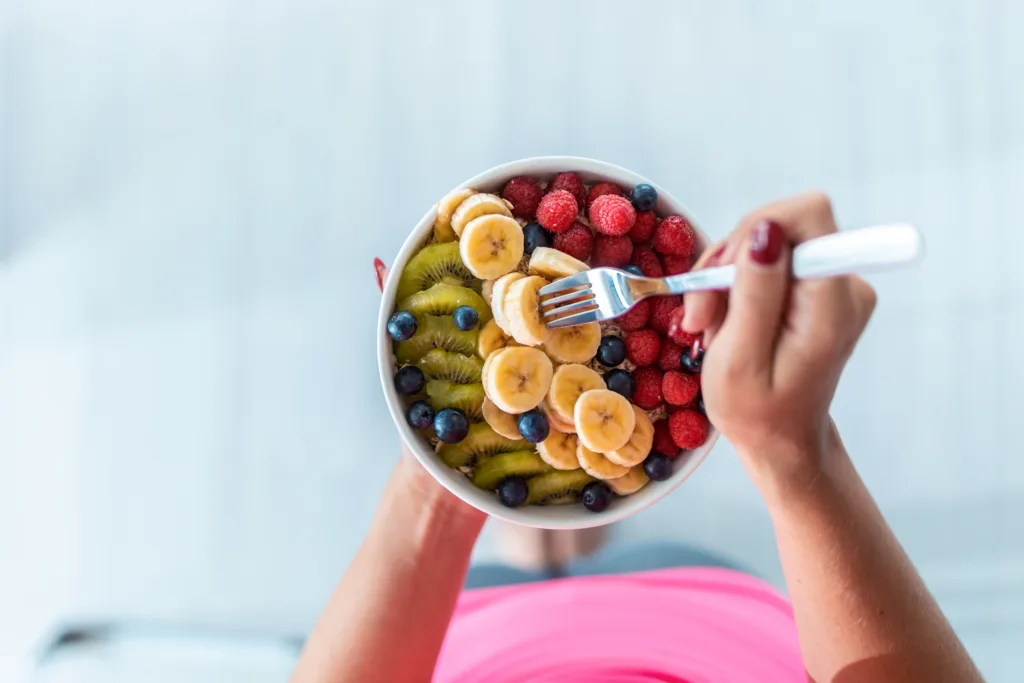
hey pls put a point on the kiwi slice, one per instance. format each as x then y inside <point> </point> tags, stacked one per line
<point>434,263</point>
<point>436,332</point>
<point>454,367</point>
<point>494,470</point>
<point>556,488</point>
<point>481,443</point>
<point>469,398</point>
<point>443,299</point>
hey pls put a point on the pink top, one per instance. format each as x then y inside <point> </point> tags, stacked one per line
<point>687,625</point>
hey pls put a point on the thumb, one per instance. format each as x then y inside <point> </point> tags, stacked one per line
<point>756,301</point>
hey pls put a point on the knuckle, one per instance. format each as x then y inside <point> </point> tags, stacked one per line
<point>819,204</point>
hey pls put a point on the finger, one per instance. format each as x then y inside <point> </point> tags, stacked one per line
<point>380,271</point>
<point>756,302</point>
<point>701,308</point>
<point>865,300</point>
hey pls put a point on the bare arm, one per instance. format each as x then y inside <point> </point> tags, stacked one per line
<point>387,618</point>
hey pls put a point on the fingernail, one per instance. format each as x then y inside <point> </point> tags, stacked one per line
<point>766,242</point>
<point>697,350</point>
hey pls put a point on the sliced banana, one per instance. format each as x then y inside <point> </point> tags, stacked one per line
<point>491,339</point>
<point>576,344</point>
<point>596,465</point>
<point>521,310</point>
<point>604,420</point>
<point>485,371</point>
<point>556,422</point>
<point>568,383</point>
<point>486,289</point>
<point>559,451</point>
<point>501,422</point>
<point>631,482</point>
<point>491,246</point>
<point>447,205</point>
<point>639,445</point>
<point>478,205</point>
<point>498,292</point>
<point>517,379</point>
<point>553,264</point>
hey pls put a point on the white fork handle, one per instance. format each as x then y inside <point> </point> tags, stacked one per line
<point>866,250</point>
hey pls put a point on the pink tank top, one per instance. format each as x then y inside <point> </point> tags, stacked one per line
<point>687,625</point>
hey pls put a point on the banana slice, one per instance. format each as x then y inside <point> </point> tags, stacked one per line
<point>474,207</point>
<point>517,379</point>
<point>498,292</point>
<point>567,384</point>
<point>521,310</point>
<point>559,451</point>
<point>486,289</point>
<point>485,371</point>
<point>501,422</point>
<point>491,245</point>
<point>596,465</point>
<point>491,339</point>
<point>576,344</point>
<point>631,482</point>
<point>604,420</point>
<point>553,264</point>
<point>447,205</point>
<point>639,445</point>
<point>556,422</point>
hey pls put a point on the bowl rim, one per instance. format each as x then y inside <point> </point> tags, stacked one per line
<point>555,517</point>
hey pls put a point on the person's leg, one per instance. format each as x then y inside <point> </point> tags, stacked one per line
<point>648,556</point>
<point>534,554</point>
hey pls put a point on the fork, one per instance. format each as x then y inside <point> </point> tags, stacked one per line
<point>606,293</point>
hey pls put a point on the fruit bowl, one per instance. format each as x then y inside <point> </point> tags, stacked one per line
<point>574,516</point>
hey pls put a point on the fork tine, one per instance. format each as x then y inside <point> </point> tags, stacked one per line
<point>587,293</point>
<point>577,319</point>
<point>565,283</point>
<point>585,305</point>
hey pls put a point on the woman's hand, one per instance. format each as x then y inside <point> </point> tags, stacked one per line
<point>775,347</point>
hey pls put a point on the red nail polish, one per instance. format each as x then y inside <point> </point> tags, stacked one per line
<point>713,259</point>
<point>378,271</point>
<point>766,242</point>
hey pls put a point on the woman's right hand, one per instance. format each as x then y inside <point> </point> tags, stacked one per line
<point>775,347</point>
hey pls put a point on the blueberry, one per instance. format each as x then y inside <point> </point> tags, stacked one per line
<point>533,426</point>
<point>451,425</point>
<point>644,197</point>
<point>512,492</point>
<point>597,496</point>
<point>636,270</point>
<point>621,382</point>
<point>409,380</point>
<point>658,467</point>
<point>689,363</point>
<point>611,351</point>
<point>465,318</point>
<point>420,415</point>
<point>535,236</point>
<point>402,325</point>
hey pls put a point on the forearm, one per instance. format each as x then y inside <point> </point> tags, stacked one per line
<point>388,616</point>
<point>862,611</point>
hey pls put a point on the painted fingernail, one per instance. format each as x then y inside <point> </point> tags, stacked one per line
<point>766,242</point>
<point>697,350</point>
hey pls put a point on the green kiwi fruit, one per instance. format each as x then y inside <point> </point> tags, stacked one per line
<point>436,332</point>
<point>454,367</point>
<point>469,398</point>
<point>494,470</point>
<point>555,488</point>
<point>481,443</point>
<point>434,263</point>
<point>443,299</point>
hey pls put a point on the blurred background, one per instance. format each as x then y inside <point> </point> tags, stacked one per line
<point>192,436</point>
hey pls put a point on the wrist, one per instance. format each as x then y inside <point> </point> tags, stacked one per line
<point>439,515</point>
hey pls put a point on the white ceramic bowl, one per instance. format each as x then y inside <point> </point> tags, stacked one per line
<point>557,516</point>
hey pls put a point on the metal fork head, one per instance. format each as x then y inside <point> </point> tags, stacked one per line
<point>596,294</point>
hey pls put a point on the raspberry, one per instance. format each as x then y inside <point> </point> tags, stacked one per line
<point>675,265</point>
<point>675,328</point>
<point>636,317</point>
<point>557,211</point>
<point>643,227</point>
<point>679,388</point>
<point>689,428</point>
<point>668,358</point>
<point>661,311</point>
<point>674,236</point>
<point>524,194</point>
<point>663,442</point>
<point>643,346</point>
<point>612,215</point>
<point>648,388</point>
<point>577,241</point>
<point>647,260</point>
<point>571,183</point>
<point>602,189</point>
<point>612,251</point>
